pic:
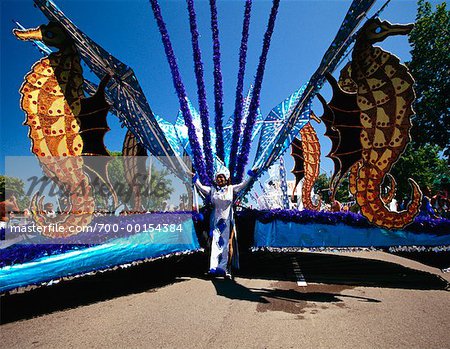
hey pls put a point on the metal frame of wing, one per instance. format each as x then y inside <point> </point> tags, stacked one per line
<point>125,92</point>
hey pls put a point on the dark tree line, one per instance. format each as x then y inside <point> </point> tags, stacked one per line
<point>426,158</point>
<point>430,67</point>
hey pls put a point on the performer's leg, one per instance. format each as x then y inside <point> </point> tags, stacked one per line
<point>230,249</point>
<point>215,251</point>
<point>223,248</point>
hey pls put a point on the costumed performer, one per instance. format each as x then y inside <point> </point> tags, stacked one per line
<point>222,225</point>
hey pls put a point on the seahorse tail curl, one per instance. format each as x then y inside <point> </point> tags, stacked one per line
<point>372,205</point>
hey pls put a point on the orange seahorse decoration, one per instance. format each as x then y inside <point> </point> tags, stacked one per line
<point>384,95</point>
<point>311,155</point>
<point>306,155</point>
<point>52,96</point>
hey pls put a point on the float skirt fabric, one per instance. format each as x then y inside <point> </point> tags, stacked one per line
<point>278,233</point>
<point>117,252</point>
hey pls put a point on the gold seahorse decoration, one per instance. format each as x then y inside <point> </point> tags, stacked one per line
<point>53,100</point>
<point>384,95</point>
<point>342,119</point>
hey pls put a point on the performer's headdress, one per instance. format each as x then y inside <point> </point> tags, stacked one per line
<point>220,168</point>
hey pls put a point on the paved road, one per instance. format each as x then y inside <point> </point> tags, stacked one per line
<point>358,300</point>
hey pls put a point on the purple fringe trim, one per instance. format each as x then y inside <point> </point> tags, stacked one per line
<point>239,88</point>
<point>218,82</point>
<point>254,104</point>
<point>181,93</point>
<point>18,254</point>
<point>436,249</point>
<point>201,91</point>
<point>21,253</point>
<point>420,224</point>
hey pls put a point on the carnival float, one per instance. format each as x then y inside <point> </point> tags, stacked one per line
<point>368,120</point>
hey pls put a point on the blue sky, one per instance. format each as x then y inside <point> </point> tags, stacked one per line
<point>303,32</point>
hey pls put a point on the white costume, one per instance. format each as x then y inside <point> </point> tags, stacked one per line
<point>222,222</point>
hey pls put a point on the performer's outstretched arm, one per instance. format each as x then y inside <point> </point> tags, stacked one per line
<point>205,190</point>
<point>238,187</point>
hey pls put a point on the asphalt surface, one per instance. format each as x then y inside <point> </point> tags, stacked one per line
<point>352,300</point>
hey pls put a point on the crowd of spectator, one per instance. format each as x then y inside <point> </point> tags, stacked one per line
<point>434,206</point>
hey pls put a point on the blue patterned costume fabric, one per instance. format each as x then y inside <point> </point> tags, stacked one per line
<point>222,223</point>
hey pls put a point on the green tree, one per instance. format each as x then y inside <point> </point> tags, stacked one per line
<point>156,190</point>
<point>160,189</point>
<point>424,165</point>
<point>14,186</point>
<point>342,192</point>
<point>322,187</point>
<point>430,67</point>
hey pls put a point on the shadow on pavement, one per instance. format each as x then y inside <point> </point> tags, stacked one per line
<point>86,290</point>
<point>233,290</point>
<point>340,270</point>
<point>440,259</point>
<point>331,270</point>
